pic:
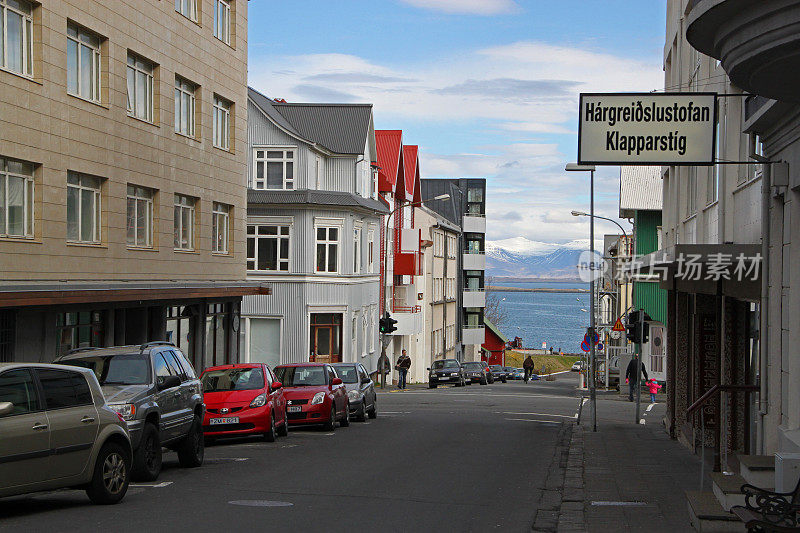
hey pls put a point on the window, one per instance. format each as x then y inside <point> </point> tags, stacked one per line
<point>218,319</point>
<point>438,347</point>
<point>437,289</point>
<point>473,280</point>
<point>83,63</point>
<point>16,198</point>
<point>16,36</point>
<point>140,216</point>
<point>63,389</point>
<point>449,336</point>
<point>474,243</point>
<point>371,251</point>
<point>438,244</point>
<point>83,208</point>
<point>473,317</point>
<point>327,249</point>
<point>185,106</point>
<point>222,20</point>
<point>79,330</point>
<point>450,288</point>
<point>713,174</point>
<point>451,247</point>
<point>17,387</point>
<point>187,8</point>
<point>268,248</point>
<point>184,222</point>
<point>222,123</point>
<point>371,328</point>
<point>274,169</point>
<point>220,220</point>
<point>691,192</point>
<point>140,88</point>
<point>161,367</point>
<point>475,201</point>
<point>264,341</point>
<point>356,250</point>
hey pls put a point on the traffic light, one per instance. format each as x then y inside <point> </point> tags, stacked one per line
<point>645,332</point>
<point>386,324</point>
<point>632,327</point>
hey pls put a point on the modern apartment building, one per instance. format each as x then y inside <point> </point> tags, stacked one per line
<point>466,208</point>
<point>122,164</point>
<point>313,229</point>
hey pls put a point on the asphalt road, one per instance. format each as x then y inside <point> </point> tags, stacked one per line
<point>449,459</point>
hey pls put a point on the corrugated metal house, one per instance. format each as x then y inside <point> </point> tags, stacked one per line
<point>313,228</point>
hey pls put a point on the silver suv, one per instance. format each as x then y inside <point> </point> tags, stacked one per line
<point>157,392</point>
<point>56,431</point>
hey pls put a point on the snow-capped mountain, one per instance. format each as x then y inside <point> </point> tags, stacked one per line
<point>522,258</point>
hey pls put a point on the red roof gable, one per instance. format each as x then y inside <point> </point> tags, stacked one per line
<point>389,144</point>
<point>411,168</point>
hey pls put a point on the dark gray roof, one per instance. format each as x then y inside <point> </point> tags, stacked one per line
<point>341,128</point>
<point>311,197</point>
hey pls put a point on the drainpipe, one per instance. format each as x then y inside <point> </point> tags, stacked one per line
<point>763,344</point>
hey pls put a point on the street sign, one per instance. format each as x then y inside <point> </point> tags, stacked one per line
<point>585,346</point>
<point>647,129</point>
<point>596,338</point>
<point>618,326</point>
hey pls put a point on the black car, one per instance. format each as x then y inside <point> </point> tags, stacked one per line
<point>498,372</point>
<point>445,371</point>
<point>475,372</point>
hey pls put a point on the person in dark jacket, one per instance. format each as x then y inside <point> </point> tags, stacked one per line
<point>384,367</point>
<point>402,366</point>
<point>632,377</point>
<point>527,365</point>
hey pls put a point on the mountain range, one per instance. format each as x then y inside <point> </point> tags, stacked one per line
<point>519,257</point>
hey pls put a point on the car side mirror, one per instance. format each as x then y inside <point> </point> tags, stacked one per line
<point>276,385</point>
<point>336,381</point>
<point>169,382</point>
<point>365,380</point>
<point>428,369</point>
<point>6,408</point>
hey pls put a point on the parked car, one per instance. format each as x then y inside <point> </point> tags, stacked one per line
<point>243,399</point>
<point>518,373</point>
<point>487,371</point>
<point>498,372</point>
<point>314,395</point>
<point>445,371</point>
<point>56,431</point>
<point>360,390</point>
<point>509,372</point>
<point>577,366</point>
<point>157,392</point>
<point>475,372</point>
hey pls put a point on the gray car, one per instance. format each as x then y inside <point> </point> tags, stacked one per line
<point>156,390</point>
<point>360,390</point>
<point>56,431</point>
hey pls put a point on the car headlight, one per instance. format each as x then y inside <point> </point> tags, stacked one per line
<point>126,410</point>
<point>259,400</point>
<point>454,374</point>
<point>354,395</point>
<point>318,398</point>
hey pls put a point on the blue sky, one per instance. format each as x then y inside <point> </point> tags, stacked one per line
<point>485,87</point>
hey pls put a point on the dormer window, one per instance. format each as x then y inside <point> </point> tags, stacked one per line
<point>273,169</point>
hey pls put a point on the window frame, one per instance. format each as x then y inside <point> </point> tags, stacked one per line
<point>148,69</point>
<point>371,250</point>
<point>185,87</point>
<point>357,260</point>
<point>183,202</point>
<point>28,199</point>
<point>95,95</point>
<point>327,242</point>
<point>97,230</point>
<point>284,160</point>
<point>37,394</point>
<point>278,236</point>
<point>222,33</point>
<point>148,204</point>
<point>26,37</point>
<point>221,122</point>
<point>192,7</point>
<point>220,211</point>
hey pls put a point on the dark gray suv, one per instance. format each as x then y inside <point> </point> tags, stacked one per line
<point>157,392</point>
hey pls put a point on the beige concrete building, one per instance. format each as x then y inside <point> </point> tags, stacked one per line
<point>123,168</point>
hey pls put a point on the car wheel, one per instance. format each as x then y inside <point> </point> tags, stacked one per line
<point>362,411</point>
<point>271,433</point>
<point>147,457</point>
<point>504,380</point>
<point>192,450</point>
<point>111,475</point>
<point>283,430</point>
<point>431,385</point>
<point>330,425</point>
<point>373,412</point>
<point>483,381</point>
<point>458,384</point>
<point>345,421</point>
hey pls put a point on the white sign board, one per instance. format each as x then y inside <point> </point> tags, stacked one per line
<point>647,129</point>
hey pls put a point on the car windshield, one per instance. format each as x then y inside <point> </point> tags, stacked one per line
<point>472,366</point>
<point>230,379</point>
<point>447,363</point>
<point>349,374</point>
<point>300,376</point>
<point>495,367</point>
<point>128,369</point>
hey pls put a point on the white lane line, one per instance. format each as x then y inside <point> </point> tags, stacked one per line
<point>531,420</point>
<point>152,485</point>
<point>226,459</point>
<point>535,414</point>
<point>649,408</point>
<point>570,398</point>
<point>585,400</point>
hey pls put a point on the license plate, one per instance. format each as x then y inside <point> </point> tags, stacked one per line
<point>444,377</point>
<point>294,409</point>
<point>228,420</point>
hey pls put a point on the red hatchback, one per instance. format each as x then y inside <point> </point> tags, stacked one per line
<point>243,399</point>
<point>314,395</point>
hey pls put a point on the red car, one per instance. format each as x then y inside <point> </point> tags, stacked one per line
<point>243,399</point>
<point>314,395</point>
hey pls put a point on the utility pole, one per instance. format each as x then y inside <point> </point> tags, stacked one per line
<point>639,345</point>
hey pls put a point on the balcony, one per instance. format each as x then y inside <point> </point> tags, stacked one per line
<point>474,223</point>
<point>474,261</point>
<point>408,264</point>
<point>406,310</point>
<point>474,298</point>
<point>757,42</point>
<point>473,335</point>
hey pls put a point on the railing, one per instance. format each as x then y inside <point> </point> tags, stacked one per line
<point>474,252</point>
<point>467,289</point>
<point>405,308</point>
<point>473,326</point>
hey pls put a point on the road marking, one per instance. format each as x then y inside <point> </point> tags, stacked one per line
<point>535,414</point>
<point>152,485</point>
<point>618,504</point>
<point>261,503</point>
<point>649,407</point>
<point>570,398</point>
<point>226,459</point>
<point>531,420</point>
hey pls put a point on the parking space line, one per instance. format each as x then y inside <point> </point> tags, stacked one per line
<point>535,414</point>
<point>532,420</point>
<point>151,485</point>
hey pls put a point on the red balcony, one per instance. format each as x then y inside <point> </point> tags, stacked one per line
<point>408,264</point>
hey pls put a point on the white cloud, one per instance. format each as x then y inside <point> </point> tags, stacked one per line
<point>473,7</point>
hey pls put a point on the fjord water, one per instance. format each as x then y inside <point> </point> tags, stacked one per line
<point>552,317</point>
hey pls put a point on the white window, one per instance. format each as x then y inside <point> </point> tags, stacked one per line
<point>371,251</point>
<point>438,342</point>
<point>83,63</point>
<point>140,216</point>
<point>268,248</point>
<point>185,106</point>
<point>371,328</point>
<point>449,337</point>
<point>451,247</point>
<point>16,198</point>
<point>222,123</point>
<point>220,223</point>
<point>356,250</point>
<point>83,208</point>
<point>140,88</point>
<point>187,8</point>
<point>437,289</point>
<point>274,168</point>
<point>222,20</point>
<point>184,222</point>
<point>450,288</point>
<point>438,244</point>
<point>328,248</point>
<point>16,36</point>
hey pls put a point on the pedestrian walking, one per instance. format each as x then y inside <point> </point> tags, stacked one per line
<point>384,367</point>
<point>653,387</point>
<point>402,366</point>
<point>527,365</point>
<point>632,377</point>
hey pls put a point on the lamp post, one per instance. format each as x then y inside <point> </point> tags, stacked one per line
<point>574,167</point>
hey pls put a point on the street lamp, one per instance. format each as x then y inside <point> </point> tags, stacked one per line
<point>574,167</point>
